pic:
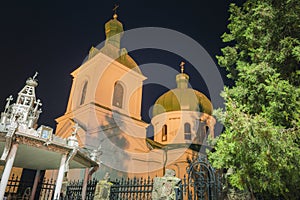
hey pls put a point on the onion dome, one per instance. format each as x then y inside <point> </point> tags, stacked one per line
<point>182,98</point>
<point>114,31</point>
<point>31,82</point>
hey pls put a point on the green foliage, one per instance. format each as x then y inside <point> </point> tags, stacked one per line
<point>264,157</point>
<point>262,117</point>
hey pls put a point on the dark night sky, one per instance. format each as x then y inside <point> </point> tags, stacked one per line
<point>53,38</point>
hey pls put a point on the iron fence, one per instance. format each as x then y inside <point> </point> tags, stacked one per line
<point>136,188</point>
<point>74,190</point>
<point>123,189</point>
<point>201,183</point>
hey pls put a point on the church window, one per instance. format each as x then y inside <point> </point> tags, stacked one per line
<point>187,128</point>
<point>118,95</point>
<point>206,130</point>
<point>187,131</point>
<point>83,92</point>
<point>164,133</point>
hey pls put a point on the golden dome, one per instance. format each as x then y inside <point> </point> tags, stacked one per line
<point>182,98</point>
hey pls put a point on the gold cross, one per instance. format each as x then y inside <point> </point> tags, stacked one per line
<point>115,8</point>
<point>182,66</point>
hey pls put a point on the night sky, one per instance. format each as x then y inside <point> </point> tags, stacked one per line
<point>53,38</point>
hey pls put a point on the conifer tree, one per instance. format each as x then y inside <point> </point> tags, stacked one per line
<point>260,142</point>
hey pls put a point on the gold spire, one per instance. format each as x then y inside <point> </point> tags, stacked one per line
<point>182,66</point>
<point>115,11</point>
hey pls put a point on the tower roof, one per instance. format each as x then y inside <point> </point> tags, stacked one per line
<point>113,27</point>
<point>114,32</point>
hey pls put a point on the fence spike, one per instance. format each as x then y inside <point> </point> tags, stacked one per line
<point>128,180</point>
<point>141,181</point>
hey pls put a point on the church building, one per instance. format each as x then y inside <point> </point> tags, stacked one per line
<point>106,102</point>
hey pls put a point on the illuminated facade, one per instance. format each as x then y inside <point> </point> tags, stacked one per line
<point>106,101</point>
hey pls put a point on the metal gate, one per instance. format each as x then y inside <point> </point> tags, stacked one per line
<point>204,182</point>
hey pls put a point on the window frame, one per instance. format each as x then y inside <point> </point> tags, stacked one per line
<point>164,133</point>
<point>83,93</point>
<point>118,95</point>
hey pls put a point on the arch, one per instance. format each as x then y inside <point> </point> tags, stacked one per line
<point>118,95</point>
<point>164,136</point>
<point>83,92</point>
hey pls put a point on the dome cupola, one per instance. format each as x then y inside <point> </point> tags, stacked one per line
<point>182,98</point>
<point>114,30</point>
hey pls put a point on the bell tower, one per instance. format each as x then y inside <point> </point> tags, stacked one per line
<point>105,100</point>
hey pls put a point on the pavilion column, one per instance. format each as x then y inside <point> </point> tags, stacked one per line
<point>60,176</point>
<point>87,176</point>
<point>35,184</point>
<point>84,185</point>
<point>7,169</point>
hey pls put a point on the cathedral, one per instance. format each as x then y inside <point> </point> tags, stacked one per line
<point>106,102</point>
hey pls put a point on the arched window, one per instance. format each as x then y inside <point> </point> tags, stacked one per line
<point>164,133</point>
<point>83,93</point>
<point>187,131</point>
<point>118,95</point>
<point>187,128</point>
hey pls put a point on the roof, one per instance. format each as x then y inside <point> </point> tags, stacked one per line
<point>39,153</point>
<point>120,56</point>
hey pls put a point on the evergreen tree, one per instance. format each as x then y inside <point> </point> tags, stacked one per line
<point>261,138</point>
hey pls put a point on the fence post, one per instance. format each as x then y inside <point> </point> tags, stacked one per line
<point>84,184</point>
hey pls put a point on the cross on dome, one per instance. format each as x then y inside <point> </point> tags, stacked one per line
<point>182,66</point>
<point>115,11</point>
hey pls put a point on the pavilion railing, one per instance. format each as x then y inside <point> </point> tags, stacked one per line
<point>16,189</point>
